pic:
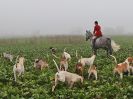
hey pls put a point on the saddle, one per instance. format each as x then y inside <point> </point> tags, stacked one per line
<point>100,40</point>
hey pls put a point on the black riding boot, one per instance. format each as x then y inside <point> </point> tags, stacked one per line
<point>93,43</point>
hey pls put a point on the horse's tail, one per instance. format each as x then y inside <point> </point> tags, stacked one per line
<point>115,46</point>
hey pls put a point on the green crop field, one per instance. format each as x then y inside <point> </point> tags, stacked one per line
<point>35,84</point>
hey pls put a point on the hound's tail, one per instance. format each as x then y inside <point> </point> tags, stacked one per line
<point>64,49</point>
<point>76,54</point>
<point>14,75</point>
<point>56,65</point>
<point>55,56</point>
<point>114,58</point>
<point>115,46</point>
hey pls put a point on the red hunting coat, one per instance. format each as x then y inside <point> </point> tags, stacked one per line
<point>97,31</point>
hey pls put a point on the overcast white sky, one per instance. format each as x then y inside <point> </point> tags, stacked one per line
<point>19,17</point>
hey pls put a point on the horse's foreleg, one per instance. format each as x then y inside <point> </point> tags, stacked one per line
<point>107,52</point>
<point>94,51</point>
<point>110,50</point>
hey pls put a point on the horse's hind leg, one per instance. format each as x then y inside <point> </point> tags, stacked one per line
<point>110,50</point>
<point>109,47</point>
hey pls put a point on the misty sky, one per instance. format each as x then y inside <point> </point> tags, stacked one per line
<point>20,17</point>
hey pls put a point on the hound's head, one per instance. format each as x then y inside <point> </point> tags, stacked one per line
<point>62,68</point>
<point>36,60</point>
<point>60,76</point>
<point>21,60</point>
<point>53,49</point>
<point>129,60</point>
<point>50,47</point>
<point>79,66</point>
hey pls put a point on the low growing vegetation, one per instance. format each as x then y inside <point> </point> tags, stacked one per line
<point>37,84</point>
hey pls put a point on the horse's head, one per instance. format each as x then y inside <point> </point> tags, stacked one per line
<point>88,35</point>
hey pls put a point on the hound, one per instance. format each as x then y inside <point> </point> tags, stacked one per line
<point>8,56</point>
<point>92,70</point>
<point>123,67</point>
<point>66,55</point>
<point>130,59</point>
<point>18,68</point>
<point>131,68</point>
<point>87,61</point>
<point>82,62</point>
<point>65,76</point>
<point>79,68</point>
<point>53,50</point>
<point>40,64</point>
<point>63,64</point>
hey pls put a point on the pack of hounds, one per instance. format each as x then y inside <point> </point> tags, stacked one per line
<point>62,74</point>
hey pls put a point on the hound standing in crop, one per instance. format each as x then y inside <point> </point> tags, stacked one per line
<point>123,67</point>
<point>82,62</point>
<point>130,59</point>
<point>8,56</point>
<point>40,64</point>
<point>64,60</point>
<point>53,50</point>
<point>65,76</point>
<point>92,70</point>
<point>87,61</point>
<point>63,64</point>
<point>66,55</point>
<point>18,68</point>
<point>79,69</point>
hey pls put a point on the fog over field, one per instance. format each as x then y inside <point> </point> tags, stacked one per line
<point>50,17</point>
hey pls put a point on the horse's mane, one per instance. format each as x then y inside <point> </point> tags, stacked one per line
<point>89,32</point>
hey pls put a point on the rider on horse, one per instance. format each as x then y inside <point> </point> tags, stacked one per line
<point>97,32</point>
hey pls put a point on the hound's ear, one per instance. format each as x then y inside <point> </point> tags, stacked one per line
<point>57,75</point>
<point>36,60</point>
